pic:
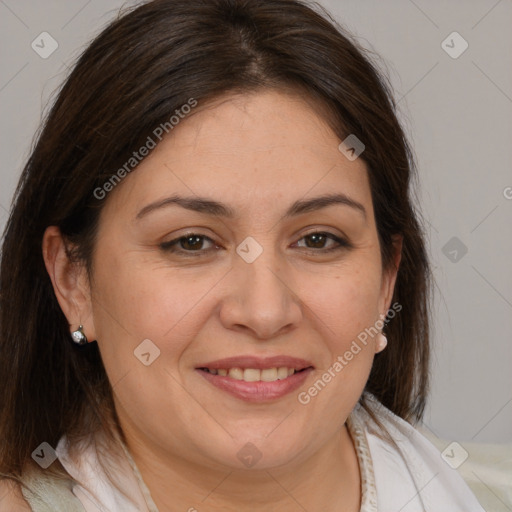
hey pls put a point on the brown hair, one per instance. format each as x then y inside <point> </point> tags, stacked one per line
<point>133,76</point>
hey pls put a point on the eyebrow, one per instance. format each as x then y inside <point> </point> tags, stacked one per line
<point>218,209</point>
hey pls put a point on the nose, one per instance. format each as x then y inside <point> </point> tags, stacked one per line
<point>260,298</point>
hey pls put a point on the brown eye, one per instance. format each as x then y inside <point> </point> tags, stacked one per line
<point>317,242</point>
<point>192,243</point>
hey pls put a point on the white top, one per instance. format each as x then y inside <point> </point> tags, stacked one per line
<point>410,476</point>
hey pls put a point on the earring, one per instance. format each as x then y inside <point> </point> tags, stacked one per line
<point>381,343</point>
<point>78,336</point>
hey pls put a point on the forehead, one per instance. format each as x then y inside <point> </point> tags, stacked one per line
<point>254,150</point>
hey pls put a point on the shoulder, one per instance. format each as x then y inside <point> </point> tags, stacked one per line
<point>39,491</point>
<point>11,497</point>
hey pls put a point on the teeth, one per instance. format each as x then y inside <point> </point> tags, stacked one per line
<point>255,374</point>
<point>252,375</point>
<point>282,372</point>
<point>269,374</point>
<point>236,373</point>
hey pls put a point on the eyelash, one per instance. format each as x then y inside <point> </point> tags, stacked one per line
<point>170,246</point>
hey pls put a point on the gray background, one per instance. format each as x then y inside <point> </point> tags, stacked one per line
<point>458,114</point>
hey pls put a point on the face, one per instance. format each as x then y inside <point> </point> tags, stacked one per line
<point>281,282</point>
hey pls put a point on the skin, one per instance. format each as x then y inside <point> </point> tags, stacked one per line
<point>11,497</point>
<point>257,153</point>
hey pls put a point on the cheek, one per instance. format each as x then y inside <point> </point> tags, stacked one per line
<point>347,301</point>
<point>136,300</point>
<point>343,306</point>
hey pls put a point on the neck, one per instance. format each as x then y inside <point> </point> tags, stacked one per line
<point>327,481</point>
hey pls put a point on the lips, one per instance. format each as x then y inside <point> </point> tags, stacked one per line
<point>256,379</point>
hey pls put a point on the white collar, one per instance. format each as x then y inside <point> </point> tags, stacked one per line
<point>408,477</point>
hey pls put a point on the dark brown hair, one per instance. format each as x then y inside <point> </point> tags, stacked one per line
<point>146,64</point>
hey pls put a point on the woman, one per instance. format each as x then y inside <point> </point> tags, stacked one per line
<point>209,247</point>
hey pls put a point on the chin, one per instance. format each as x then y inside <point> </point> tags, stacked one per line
<point>259,452</point>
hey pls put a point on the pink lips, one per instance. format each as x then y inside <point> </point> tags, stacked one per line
<point>257,391</point>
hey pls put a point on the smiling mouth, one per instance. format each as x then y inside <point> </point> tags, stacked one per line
<point>256,385</point>
<point>255,374</point>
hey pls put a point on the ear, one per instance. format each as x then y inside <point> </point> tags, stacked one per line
<point>70,282</point>
<point>389,275</point>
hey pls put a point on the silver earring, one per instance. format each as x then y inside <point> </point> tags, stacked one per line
<point>78,336</point>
